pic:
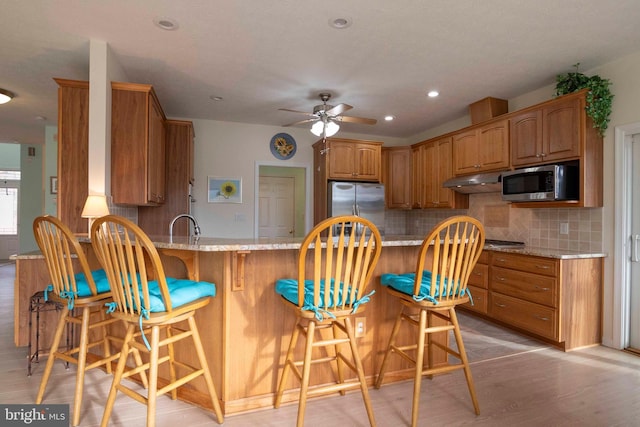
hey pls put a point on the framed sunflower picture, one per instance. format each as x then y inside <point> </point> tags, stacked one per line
<point>224,190</point>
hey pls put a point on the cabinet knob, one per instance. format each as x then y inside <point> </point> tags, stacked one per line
<point>542,289</point>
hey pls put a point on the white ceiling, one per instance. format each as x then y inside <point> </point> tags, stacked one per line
<point>264,55</point>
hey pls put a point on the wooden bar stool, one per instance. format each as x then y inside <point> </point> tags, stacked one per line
<point>439,283</point>
<point>152,307</point>
<point>81,296</point>
<point>334,269</point>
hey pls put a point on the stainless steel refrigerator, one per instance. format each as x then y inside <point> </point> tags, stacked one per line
<point>357,198</point>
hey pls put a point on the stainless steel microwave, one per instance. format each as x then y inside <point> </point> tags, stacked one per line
<point>541,183</point>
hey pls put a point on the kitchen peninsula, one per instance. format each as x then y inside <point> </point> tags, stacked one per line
<point>246,327</point>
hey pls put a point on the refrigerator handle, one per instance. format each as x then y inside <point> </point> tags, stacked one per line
<point>356,210</point>
<point>634,248</point>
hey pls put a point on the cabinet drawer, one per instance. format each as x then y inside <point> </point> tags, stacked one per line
<point>532,264</point>
<point>528,286</point>
<point>480,300</point>
<point>479,276</point>
<point>533,317</point>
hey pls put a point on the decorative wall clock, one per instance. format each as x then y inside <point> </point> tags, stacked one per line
<point>282,146</point>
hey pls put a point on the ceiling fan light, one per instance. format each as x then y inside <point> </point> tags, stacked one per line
<point>317,128</point>
<point>332,128</point>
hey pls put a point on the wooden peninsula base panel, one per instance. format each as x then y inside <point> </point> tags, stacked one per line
<point>246,328</point>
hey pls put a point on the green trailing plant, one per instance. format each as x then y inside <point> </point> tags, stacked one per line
<point>599,98</point>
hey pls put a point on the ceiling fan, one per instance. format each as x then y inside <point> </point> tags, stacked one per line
<point>327,117</point>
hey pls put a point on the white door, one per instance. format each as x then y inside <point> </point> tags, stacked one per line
<point>276,206</point>
<point>634,241</point>
<point>8,221</point>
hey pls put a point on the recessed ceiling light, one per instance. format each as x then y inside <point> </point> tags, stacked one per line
<point>216,98</point>
<point>340,23</point>
<point>389,118</point>
<point>433,93</point>
<point>166,23</point>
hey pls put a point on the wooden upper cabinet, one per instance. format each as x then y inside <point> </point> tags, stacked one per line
<point>433,165</point>
<point>526,138</point>
<point>396,177</point>
<point>418,176</point>
<point>336,159</point>
<point>559,131</point>
<point>547,134</point>
<point>561,123</point>
<point>179,174</point>
<point>73,152</point>
<point>354,160</point>
<point>137,146</point>
<point>483,148</point>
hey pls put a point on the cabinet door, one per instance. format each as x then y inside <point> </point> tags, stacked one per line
<point>367,162</point>
<point>73,152</point>
<point>397,177</point>
<point>493,146</point>
<point>444,196</point>
<point>156,157</point>
<point>465,152</point>
<point>137,146</point>
<point>561,131</point>
<point>417,177</point>
<point>341,159</point>
<point>526,138</point>
<point>430,164</point>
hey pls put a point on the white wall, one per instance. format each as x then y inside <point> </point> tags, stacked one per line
<point>231,150</point>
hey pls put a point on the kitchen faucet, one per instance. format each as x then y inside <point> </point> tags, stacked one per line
<point>196,227</point>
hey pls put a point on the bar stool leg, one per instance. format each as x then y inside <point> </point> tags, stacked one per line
<point>37,304</point>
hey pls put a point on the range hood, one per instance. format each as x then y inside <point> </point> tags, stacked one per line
<point>489,182</point>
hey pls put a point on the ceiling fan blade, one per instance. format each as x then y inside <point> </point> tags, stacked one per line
<point>303,121</point>
<point>338,109</point>
<point>296,111</point>
<point>361,120</point>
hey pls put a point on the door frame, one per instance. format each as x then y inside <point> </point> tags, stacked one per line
<point>307,186</point>
<point>622,208</point>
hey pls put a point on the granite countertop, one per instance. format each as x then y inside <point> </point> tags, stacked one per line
<point>216,244</point>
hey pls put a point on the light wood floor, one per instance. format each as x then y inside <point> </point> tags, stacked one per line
<point>519,381</point>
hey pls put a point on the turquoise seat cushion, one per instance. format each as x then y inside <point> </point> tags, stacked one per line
<point>181,291</point>
<point>288,289</point>
<point>405,283</point>
<point>100,279</point>
<point>82,287</point>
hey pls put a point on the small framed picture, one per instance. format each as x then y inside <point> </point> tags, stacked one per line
<point>224,189</point>
<point>53,184</point>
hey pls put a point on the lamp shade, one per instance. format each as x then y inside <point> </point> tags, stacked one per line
<point>317,128</point>
<point>330,128</point>
<point>95,206</point>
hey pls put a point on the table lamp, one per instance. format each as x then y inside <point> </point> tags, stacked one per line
<point>94,207</point>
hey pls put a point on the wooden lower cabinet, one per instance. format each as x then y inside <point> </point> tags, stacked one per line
<point>535,318</point>
<point>558,300</point>
<point>479,285</point>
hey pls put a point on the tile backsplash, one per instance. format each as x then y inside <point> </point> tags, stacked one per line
<point>540,227</point>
